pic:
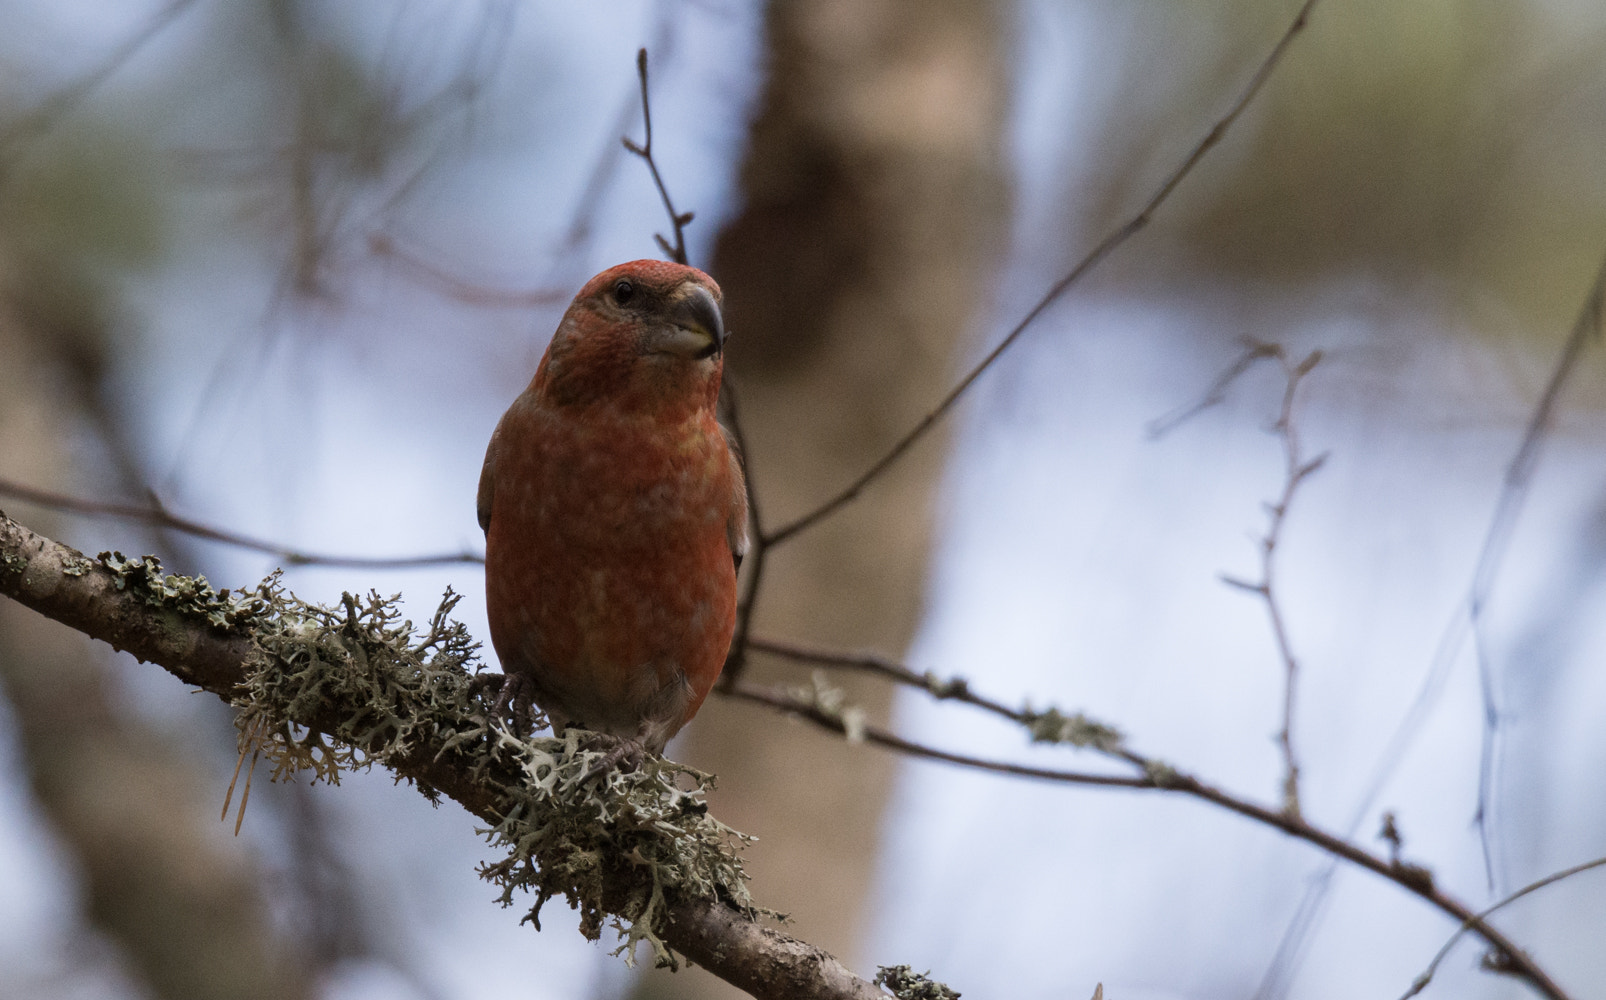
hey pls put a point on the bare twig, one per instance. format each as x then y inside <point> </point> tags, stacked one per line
<point>1513,493</point>
<point>680,220</point>
<point>1094,257</point>
<point>1426,977</point>
<point>803,708</point>
<point>951,689</point>
<point>162,519</point>
<point>1296,470</point>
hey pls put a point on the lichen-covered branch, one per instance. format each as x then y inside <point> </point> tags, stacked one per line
<point>325,690</point>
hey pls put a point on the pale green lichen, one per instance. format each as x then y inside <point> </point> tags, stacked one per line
<point>188,595</point>
<point>906,984</point>
<point>615,844</point>
<point>945,687</point>
<point>1053,726</point>
<point>832,703</point>
<point>1162,774</point>
<point>565,828</point>
<point>76,565</point>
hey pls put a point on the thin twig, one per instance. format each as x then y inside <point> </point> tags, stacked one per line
<point>1103,249</point>
<point>1254,350</point>
<point>1296,470</point>
<point>680,220</point>
<point>160,518</point>
<point>802,708</point>
<point>1514,491</point>
<point>1426,977</point>
<point>952,689</point>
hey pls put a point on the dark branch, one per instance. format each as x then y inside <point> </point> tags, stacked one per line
<point>951,689</point>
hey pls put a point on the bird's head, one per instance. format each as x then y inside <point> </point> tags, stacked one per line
<point>641,335</point>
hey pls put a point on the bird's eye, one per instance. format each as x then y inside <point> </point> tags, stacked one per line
<point>623,291</point>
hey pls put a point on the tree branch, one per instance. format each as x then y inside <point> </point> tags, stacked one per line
<point>89,596</point>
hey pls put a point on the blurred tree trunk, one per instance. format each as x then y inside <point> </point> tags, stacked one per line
<point>160,874</point>
<point>875,201</point>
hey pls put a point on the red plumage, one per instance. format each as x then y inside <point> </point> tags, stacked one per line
<point>615,510</point>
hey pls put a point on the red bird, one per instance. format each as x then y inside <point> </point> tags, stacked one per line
<point>615,511</point>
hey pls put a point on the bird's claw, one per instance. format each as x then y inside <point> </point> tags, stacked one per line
<point>514,702</point>
<point>622,754</point>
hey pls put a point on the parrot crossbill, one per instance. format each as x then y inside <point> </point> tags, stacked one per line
<point>615,511</point>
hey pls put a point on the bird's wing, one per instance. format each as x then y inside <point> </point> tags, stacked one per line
<point>487,490</point>
<point>736,519</point>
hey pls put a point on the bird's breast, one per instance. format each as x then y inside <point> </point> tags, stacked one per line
<point>608,567</point>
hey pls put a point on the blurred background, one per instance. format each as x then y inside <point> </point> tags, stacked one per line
<point>279,265</point>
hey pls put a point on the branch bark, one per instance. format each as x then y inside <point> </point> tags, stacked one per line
<point>61,583</point>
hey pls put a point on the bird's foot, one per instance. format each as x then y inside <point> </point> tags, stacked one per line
<point>621,753</point>
<point>514,701</point>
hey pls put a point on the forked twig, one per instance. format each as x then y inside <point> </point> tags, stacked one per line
<point>1296,470</point>
<point>790,704</point>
